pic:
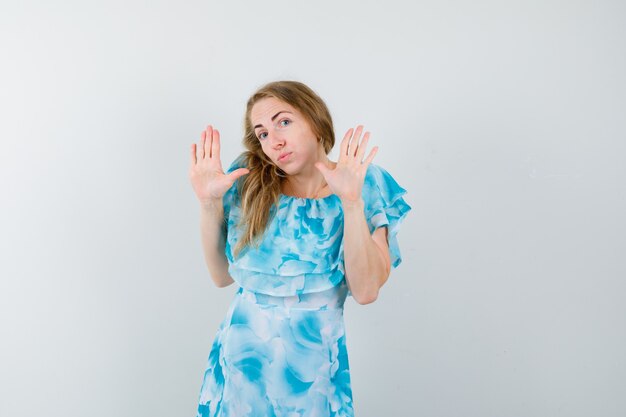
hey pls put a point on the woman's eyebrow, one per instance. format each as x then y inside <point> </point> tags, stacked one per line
<point>273,117</point>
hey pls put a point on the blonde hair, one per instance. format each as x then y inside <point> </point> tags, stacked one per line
<point>260,189</point>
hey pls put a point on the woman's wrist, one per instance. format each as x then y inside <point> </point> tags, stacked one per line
<point>357,204</point>
<point>212,204</point>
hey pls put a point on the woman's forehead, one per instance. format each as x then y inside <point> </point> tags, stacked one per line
<point>267,108</point>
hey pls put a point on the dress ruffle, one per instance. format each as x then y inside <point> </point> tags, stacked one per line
<point>385,206</point>
<point>301,250</point>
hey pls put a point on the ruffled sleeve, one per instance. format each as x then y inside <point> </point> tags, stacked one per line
<point>385,206</point>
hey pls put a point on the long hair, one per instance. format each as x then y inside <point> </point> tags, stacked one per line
<point>260,189</point>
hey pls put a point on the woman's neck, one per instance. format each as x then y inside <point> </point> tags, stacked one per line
<point>308,187</point>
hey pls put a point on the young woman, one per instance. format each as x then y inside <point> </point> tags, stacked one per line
<point>298,233</point>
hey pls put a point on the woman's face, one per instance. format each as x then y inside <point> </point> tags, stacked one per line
<point>282,130</point>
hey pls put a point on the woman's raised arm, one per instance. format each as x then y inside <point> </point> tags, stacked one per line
<point>210,184</point>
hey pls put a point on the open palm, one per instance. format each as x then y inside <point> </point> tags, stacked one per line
<point>346,179</point>
<point>205,171</point>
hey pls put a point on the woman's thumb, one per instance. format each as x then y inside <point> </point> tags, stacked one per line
<point>239,172</point>
<point>322,168</point>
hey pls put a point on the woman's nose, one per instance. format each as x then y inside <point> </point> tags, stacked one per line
<point>276,140</point>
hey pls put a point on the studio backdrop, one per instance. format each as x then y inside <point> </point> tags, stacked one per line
<point>503,120</point>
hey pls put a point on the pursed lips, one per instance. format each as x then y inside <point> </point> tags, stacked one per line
<point>284,156</point>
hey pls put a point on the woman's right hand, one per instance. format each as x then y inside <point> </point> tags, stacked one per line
<point>205,172</point>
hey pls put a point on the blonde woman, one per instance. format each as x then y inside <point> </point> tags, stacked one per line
<point>298,234</point>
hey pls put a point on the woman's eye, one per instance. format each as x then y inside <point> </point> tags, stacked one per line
<point>284,120</point>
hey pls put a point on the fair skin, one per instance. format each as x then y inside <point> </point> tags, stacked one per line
<point>281,129</point>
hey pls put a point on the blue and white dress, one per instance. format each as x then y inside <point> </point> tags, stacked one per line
<point>281,349</point>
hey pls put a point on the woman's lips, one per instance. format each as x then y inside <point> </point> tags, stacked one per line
<point>282,158</point>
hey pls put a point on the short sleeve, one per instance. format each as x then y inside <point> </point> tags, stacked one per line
<point>385,206</point>
<point>231,197</point>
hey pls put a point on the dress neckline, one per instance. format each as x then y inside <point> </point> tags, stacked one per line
<point>306,199</point>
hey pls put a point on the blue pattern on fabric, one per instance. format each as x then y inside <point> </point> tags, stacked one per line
<point>281,349</point>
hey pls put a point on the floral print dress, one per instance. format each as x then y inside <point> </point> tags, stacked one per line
<point>281,349</point>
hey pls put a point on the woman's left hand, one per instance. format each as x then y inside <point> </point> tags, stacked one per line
<point>346,179</point>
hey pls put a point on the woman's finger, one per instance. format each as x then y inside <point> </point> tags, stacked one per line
<point>215,148</point>
<point>207,142</point>
<point>354,143</point>
<point>201,147</point>
<point>343,151</point>
<point>238,173</point>
<point>362,147</point>
<point>194,160</point>
<point>370,157</point>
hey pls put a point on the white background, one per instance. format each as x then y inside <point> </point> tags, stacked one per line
<point>504,120</point>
